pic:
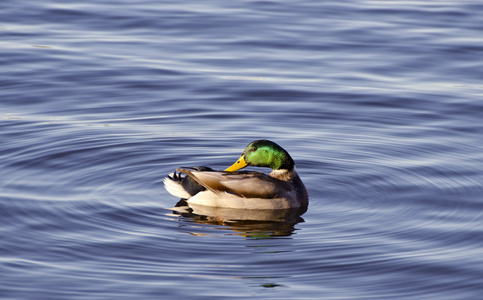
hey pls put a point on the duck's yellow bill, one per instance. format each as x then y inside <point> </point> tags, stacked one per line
<point>240,164</point>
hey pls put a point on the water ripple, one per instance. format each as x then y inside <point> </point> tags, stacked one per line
<point>379,104</point>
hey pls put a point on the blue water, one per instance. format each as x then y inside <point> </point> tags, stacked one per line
<point>379,103</point>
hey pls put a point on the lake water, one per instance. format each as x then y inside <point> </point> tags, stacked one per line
<point>379,103</point>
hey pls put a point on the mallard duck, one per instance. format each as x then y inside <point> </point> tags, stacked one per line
<point>281,189</point>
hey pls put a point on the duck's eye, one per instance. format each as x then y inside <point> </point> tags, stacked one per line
<point>253,149</point>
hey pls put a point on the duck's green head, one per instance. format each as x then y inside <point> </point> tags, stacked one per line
<point>263,153</point>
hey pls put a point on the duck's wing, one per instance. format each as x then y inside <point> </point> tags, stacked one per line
<point>244,184</point>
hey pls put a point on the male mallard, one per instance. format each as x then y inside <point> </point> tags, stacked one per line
<point>281,189</point>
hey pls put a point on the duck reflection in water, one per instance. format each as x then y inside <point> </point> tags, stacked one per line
<point>263,223</point>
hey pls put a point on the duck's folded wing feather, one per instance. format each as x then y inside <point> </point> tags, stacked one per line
<point>244,184</point>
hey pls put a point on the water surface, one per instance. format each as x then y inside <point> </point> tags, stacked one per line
<point>378,103</point>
